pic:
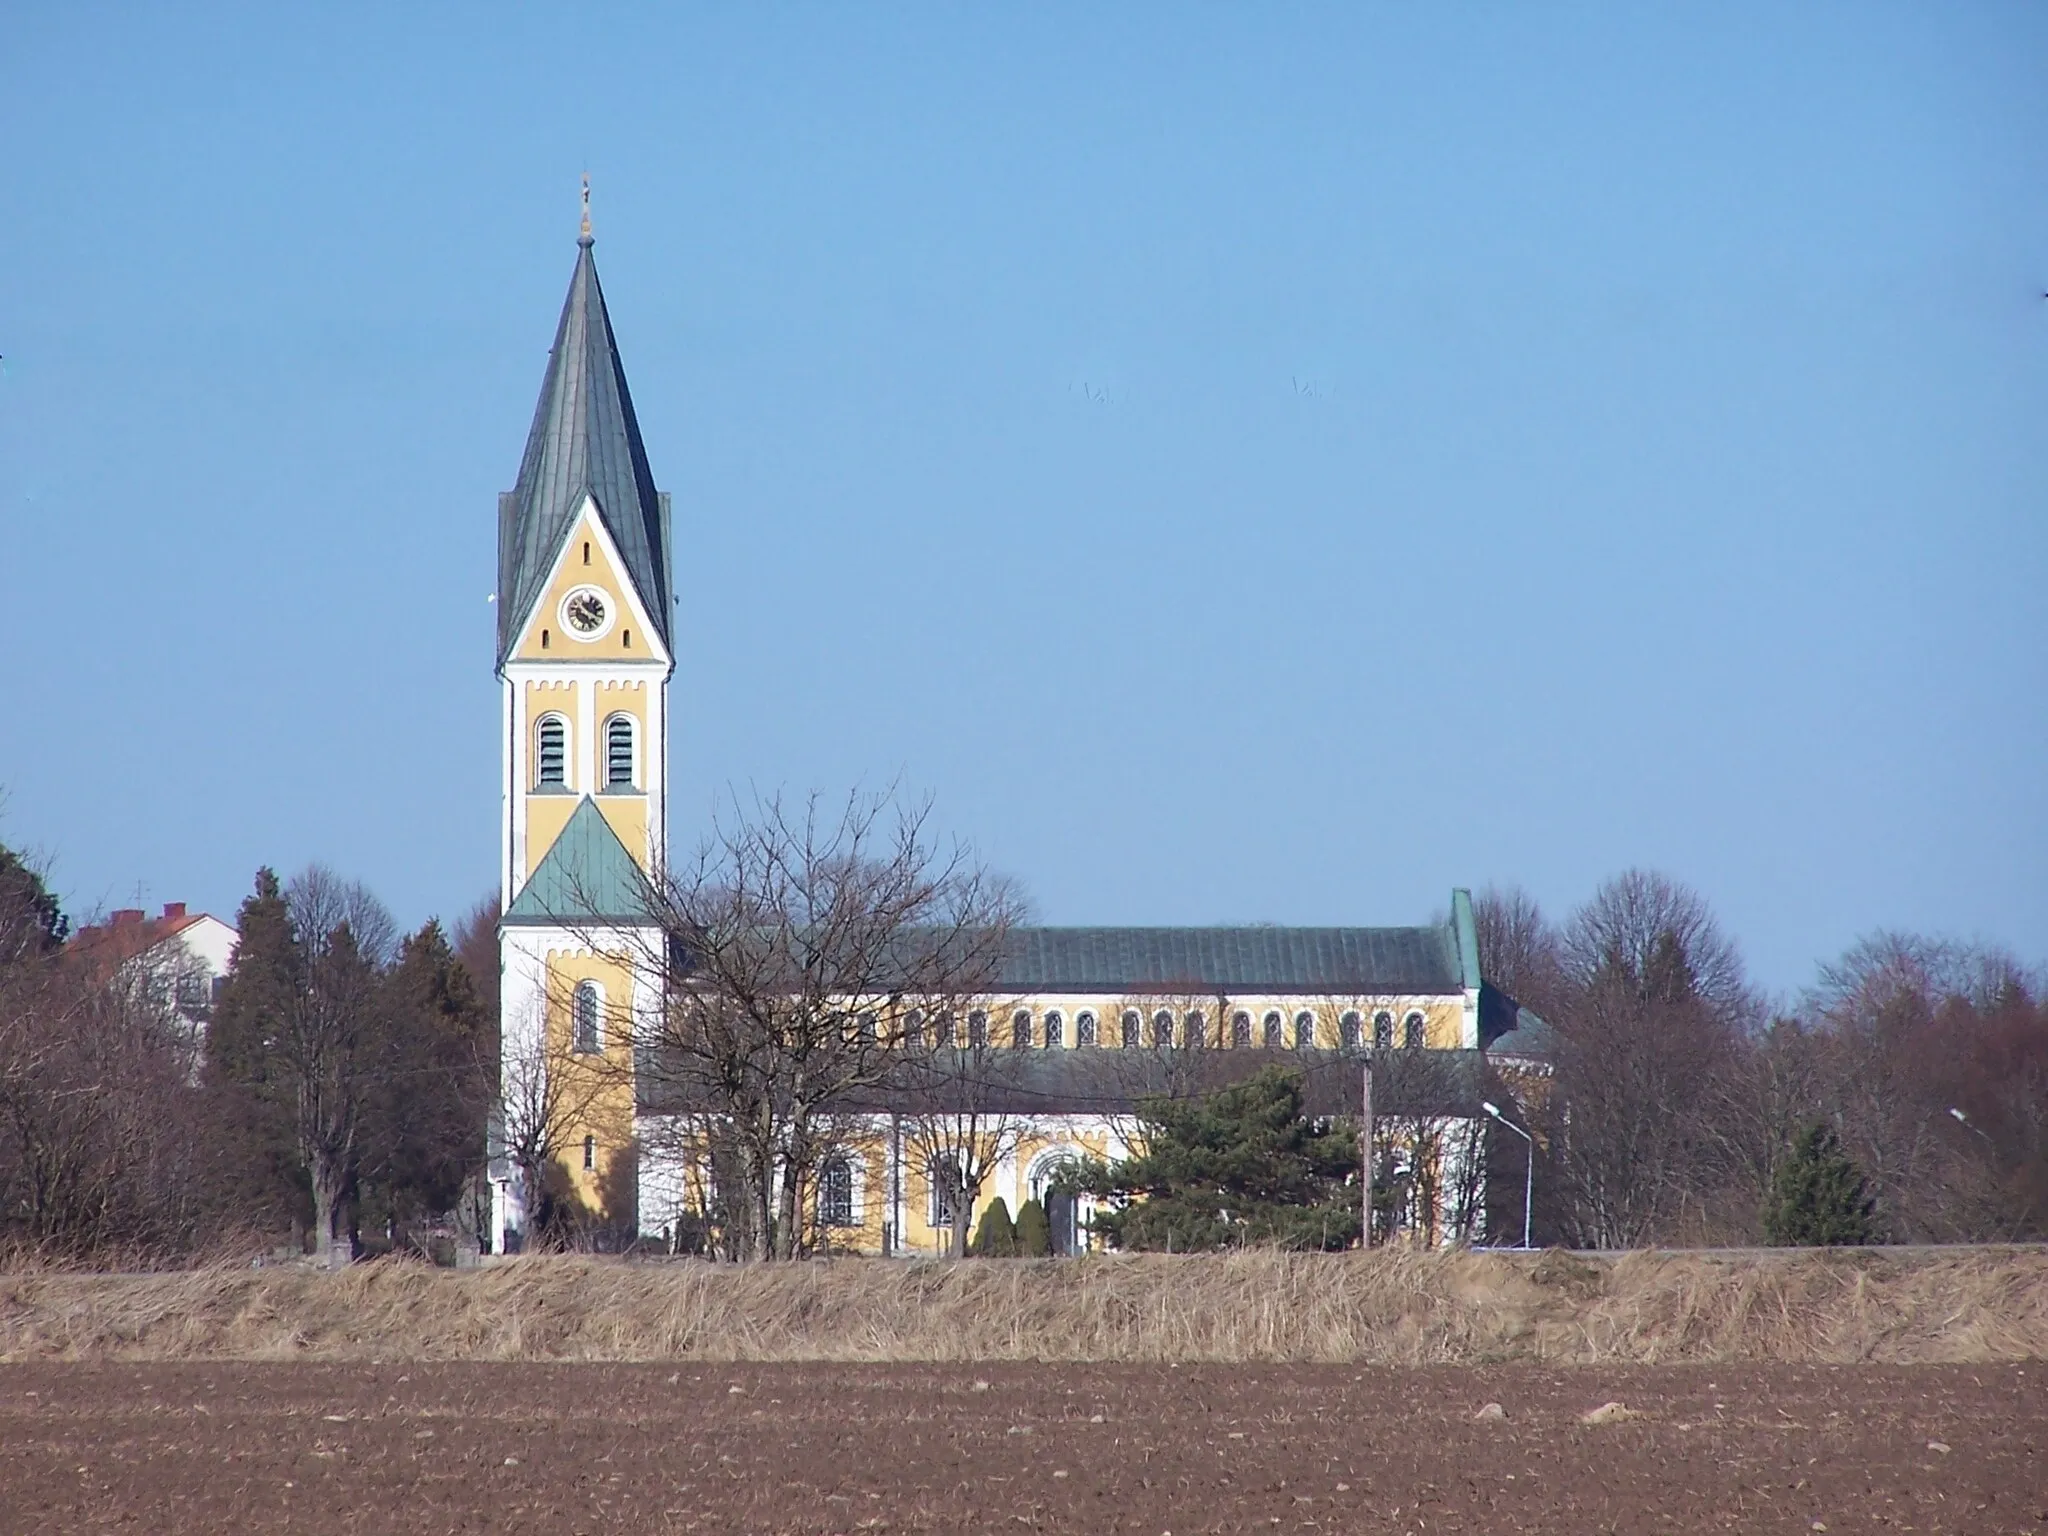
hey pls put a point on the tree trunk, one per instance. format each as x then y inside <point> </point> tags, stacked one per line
<point>789,1214</point>
<point>963,1218</point>
<point>327,1190</point>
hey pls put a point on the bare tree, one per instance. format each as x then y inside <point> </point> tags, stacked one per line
<point>960,1114</point>
<point>1519,951</point>
<point>101,1124</point>
<point>795,945</point>
<point>1935,1069</point>
<point>1655,1010</point>
<point>328,1034</point>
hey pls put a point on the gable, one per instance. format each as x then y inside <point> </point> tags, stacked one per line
<point>587,558</point>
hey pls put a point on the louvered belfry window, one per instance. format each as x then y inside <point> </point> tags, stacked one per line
<point>554,752</point>
<point>618,753</point>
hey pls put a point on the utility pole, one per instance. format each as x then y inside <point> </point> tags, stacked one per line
<point>1365,1152</point>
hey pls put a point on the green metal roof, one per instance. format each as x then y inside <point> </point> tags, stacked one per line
<point>1332,961</point>
<point>586,876</point>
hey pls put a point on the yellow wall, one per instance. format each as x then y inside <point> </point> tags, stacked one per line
<point>546,815</point>
<point>626,640</point>
<point>597,1091</point>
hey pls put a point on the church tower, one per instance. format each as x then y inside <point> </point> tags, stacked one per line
<point>585,600</point>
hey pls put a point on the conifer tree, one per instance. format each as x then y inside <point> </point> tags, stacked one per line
<point>428,1091</point>
<point>31,921</point>
<point>1238,1168</point>
<point>1817,1199</point>
<point>996,1237</point>
<point>241,1056</point>
<point>300,1035</point>
<point>1034,1231</point>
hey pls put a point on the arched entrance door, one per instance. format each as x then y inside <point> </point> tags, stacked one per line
<point>1062,1210</point>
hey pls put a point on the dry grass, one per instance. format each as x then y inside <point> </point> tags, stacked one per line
<point>1390,1308</point>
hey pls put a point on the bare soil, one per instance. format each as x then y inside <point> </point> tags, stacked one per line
<point>822,1448</point>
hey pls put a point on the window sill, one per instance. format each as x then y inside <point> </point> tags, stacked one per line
<point>621,792</point>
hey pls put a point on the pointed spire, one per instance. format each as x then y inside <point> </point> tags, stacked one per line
<point>585,440</point>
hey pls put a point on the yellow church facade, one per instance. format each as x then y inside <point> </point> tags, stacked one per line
<point>1086,1021</point>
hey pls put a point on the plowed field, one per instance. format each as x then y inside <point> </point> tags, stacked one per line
<point>395,1449</point>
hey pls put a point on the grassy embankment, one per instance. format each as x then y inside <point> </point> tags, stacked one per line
<point>1390,1308</point>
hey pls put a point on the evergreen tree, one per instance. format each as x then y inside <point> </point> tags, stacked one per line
<point>1817,1199</point>
<point>1242,1166</point>
<point>300,1041</point>
<point>253,1104</point>
<point>1034,1231</point>
<point>31,921</point>
<point>996,1237</point>
<point>427,1096</point>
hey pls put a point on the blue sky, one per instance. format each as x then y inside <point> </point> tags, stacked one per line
<point>1249,463</point>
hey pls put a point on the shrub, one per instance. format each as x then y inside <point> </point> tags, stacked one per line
<point>996,1237</point>
<point>1034,1231</point>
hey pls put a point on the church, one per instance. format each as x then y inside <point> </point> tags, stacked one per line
<point>1094,1019</point>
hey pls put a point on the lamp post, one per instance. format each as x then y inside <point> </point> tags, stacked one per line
<point>1529,1177</point>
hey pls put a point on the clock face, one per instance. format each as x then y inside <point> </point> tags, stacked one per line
<point>586,613</point>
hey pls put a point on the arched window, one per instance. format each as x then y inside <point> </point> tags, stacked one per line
<point>552,761</point>
<point>1084,1028</point>
<point>1131,1026</point>
<point>1197,1031</point>
<point>942,1031</point>
<point>1412,1030</point>
<point>913,1030</point>
<point>1272,1039</point>
<point>618,752</point>
<point>1351,1031</point>
<point>1020,1028</point>
<point>1055,1030</point>
<point>1304,1031</point>
<point>1162,1028</point>
<point>590,1154</point>
<point>835,1191</point>
<point>587,1012</point>
<point>977,1028</point>
<point>1241,1029</point>
<point>1382,1031</point>
<point>865,1029</point>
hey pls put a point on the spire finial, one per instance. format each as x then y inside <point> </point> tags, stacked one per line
<point>584,239</point>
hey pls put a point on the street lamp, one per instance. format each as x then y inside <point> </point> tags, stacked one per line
<point>1529,1179</point>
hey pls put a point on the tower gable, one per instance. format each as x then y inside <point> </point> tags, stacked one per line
<point>588,558</point>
